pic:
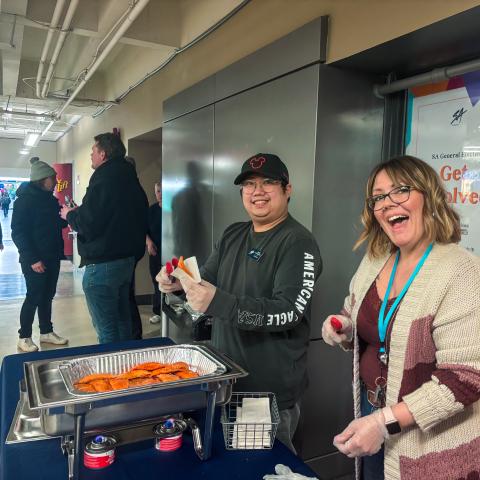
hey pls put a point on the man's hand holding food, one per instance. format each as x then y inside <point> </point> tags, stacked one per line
<point>199,295</point>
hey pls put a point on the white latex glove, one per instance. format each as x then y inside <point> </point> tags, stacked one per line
<point>363,436</point>
<point>285,473</point>
<point>165,283</point>
<point>199,295</point>
<point>334,337</point>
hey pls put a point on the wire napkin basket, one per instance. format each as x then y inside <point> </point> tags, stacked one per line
<point>239,432</point>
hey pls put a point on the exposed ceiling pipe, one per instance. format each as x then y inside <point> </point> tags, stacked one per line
<point>58,47</point>
<point>190,44</point>
<point>46,46</point>
<point>27,114</point>
<point>129,19</point>
<point>12,35</point>
<point>197,39</point>
<point>434,76</point>
<point>82,101</point>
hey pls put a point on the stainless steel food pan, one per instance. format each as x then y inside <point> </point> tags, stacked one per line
<point>47,388</point>
<point>197,357</point>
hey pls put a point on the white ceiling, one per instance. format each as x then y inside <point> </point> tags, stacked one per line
<point>161,28</point>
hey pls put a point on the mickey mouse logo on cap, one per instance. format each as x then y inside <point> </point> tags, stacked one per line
<point>257,162</point>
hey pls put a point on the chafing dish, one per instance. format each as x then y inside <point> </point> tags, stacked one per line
<point>65,411</point>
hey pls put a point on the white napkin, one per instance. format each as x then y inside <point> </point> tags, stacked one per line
<point>192,265</point>
<point>254,424</point>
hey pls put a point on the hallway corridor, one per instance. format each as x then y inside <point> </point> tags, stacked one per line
<point>70,317</point>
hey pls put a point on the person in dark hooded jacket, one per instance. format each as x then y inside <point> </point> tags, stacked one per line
<point>37,233</point>
<point>112,224</point>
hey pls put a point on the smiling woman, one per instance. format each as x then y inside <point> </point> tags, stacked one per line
<point>439,221</point>
<point>412,318</point>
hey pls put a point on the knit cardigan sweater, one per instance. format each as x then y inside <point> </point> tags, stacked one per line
<point>434,366</point>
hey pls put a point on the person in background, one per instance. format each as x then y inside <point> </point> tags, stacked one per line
<point>111,225</point>
<point>5,201</point>
<point>154,240</point>
<point>257,286</point>
<point>412,318</point>
<point>37,233</point>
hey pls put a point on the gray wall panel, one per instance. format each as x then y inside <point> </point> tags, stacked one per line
<point>327,406</point>
<point>297,49</point>
<point>333,466</point>
<point>329,160</point>
<point>278,117</point>
<point>301,47</point>
<point>187,182</point>
<point>349,144</point>
<point>193,98</point>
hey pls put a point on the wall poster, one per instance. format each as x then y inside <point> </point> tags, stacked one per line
<point>444,130</point>
<point>64,187</point>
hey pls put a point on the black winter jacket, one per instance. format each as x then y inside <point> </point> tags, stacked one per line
<point>112,221</point>
<point>37,226</point>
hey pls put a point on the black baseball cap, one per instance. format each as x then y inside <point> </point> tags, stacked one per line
<point>265,164</point>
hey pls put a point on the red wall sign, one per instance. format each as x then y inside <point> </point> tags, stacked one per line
<point>64,187</point>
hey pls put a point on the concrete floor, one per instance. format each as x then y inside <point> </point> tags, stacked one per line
<point>70,314</point>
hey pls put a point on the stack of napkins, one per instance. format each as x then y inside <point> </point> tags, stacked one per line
<point>254,424</point>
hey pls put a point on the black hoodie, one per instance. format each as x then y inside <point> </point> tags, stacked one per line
<point>36,225</point>
<point>112,221</point>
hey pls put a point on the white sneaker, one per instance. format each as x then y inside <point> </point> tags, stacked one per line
<point>26,345</point>
<point>52,337</point>
<point>155,319</point>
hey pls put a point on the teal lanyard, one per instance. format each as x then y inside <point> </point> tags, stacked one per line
<point>382,320</point>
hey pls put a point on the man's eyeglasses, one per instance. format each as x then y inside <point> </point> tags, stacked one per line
<point>398,195</point>
<point>267,185</point>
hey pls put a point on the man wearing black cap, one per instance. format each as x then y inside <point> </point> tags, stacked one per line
<point>257,285</point>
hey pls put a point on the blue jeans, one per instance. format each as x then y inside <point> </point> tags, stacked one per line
<point>372,466</point>
<point>106,286</point>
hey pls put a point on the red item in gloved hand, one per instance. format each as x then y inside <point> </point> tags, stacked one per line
<point>169,269</point>
<point>336,324</point>
<point>175,262</point>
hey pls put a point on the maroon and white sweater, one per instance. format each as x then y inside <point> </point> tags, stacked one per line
<point>434,366</point>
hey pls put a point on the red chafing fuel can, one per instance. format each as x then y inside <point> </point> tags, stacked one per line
<point>169,434</point>
<point>99,452</point>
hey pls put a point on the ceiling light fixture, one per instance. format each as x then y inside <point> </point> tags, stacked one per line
<point>24,151</point>
<point>31,139</point>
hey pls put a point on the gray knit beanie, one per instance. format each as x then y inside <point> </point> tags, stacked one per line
<point>40,170</point>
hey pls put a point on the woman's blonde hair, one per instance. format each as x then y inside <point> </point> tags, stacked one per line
<point>442,223</point>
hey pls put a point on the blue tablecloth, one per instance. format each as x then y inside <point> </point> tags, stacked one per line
<point>43,460</point>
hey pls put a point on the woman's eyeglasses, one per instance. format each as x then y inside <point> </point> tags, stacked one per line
<point>398,195</point>
<point>267,185</point>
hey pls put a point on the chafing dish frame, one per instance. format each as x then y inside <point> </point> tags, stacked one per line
<point>79,406</point>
